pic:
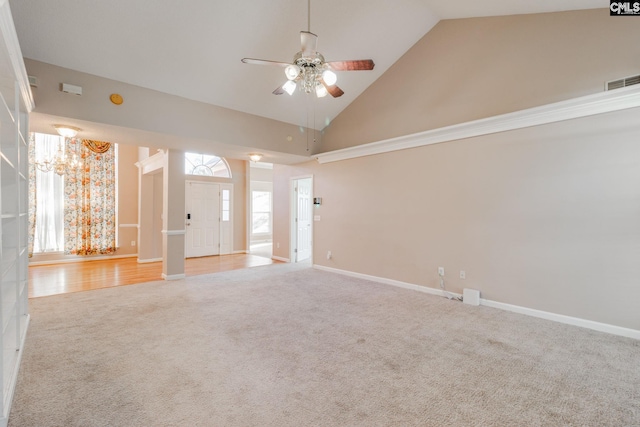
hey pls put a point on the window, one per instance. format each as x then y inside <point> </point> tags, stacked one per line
<point>205,165</point>
<point>261,212</point>
<point>75,212</point>
<point>226,205</point>
<point>49,231</point>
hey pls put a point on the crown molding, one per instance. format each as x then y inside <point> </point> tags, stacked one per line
<point>599,103</point>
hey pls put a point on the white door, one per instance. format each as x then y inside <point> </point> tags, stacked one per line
<point>303,239</point>
<point>202,203</point>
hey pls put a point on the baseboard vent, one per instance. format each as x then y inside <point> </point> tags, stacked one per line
<point>471,296</point>
<point>627,81</point>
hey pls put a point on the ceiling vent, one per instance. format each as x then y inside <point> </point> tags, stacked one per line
<point>627,81</point>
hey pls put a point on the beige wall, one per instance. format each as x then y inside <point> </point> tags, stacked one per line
<point>544,217</point>
<point>201,126</point>
<point>127,199</point>
<point>468,69</point>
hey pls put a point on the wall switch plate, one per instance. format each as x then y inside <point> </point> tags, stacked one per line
<point>133,243</point>
<point>463,274</point>
<point>329,255</point>
<point>440,271</point>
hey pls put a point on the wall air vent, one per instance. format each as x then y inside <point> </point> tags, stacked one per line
<point>627,81</point>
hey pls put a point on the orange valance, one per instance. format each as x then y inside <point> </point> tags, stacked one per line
<point>96,146</point>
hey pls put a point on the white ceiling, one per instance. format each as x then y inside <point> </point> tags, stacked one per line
<point>192,48</point>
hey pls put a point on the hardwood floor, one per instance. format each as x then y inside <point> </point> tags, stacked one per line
<point>63,278</point>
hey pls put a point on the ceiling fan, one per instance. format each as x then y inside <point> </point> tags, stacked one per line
<point>310,70</point>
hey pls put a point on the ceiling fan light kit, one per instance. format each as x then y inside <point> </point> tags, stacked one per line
<point>309,71</point>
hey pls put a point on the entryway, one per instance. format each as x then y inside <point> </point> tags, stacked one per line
<point>209,221</point>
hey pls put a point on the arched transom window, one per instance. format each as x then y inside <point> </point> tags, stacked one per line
<point>206,165</point>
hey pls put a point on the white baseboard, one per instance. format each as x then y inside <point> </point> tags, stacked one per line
<point>173,276</point>
<point>146,261</point>
<point>560,318</point>
<point>277,258</point>
<point>240,252</point>
<point>81,259</point>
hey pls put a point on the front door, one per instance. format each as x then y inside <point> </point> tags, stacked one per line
<point>202,203</point>
<point>303,195</point>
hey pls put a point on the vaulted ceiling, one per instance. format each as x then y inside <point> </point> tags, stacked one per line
<point>193,48</point>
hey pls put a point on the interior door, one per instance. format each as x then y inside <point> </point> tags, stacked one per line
<point>202,203</point>
<point>303,219</point>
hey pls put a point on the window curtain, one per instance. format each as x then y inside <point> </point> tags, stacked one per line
<point>89,214</point>
<point>45,210</point>
<point>32,194</point>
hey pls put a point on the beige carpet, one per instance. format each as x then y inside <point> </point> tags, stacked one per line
<point>286,346</point>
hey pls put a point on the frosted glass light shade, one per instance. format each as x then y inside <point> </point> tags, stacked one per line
<point>329,77</point>
<point>292,71</point>
<point>66,131</point>
<point>321,91</point>
<point>289,87</point>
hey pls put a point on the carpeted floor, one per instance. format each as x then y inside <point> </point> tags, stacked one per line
<point>287,346</point>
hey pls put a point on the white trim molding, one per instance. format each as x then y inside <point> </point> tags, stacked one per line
<point>560,318</point>
<point>150,260</point>
<point>152,164</point>
<point>78,258</point>
<point>173,276</point>
<point>174,232</point>
<point>599,103</point>
<point>279,258</point>
<point>128,225</point>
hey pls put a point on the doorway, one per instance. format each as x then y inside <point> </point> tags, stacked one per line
<point>208,219</point>
<point>301,219</point>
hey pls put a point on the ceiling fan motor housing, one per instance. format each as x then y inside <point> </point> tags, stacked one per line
<point>311,68</point>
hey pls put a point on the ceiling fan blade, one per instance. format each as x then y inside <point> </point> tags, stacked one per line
<point>355,65</point>
<point>279,91</point>
<point>334,90</point>
<point>264,62</point>
<point>309,42</point>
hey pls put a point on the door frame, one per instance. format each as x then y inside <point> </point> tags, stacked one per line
<point>293,210</point>
<point>221,186</point>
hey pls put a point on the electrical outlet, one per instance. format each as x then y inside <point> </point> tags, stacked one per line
<point>463,274</point>
<point>440,271</point>
<point>329,255</point>
<point>133,243</point>
<point>278,245</point>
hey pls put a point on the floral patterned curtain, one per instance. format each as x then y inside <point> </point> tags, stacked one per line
<point>90,201</point>
<point>32,194</point>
